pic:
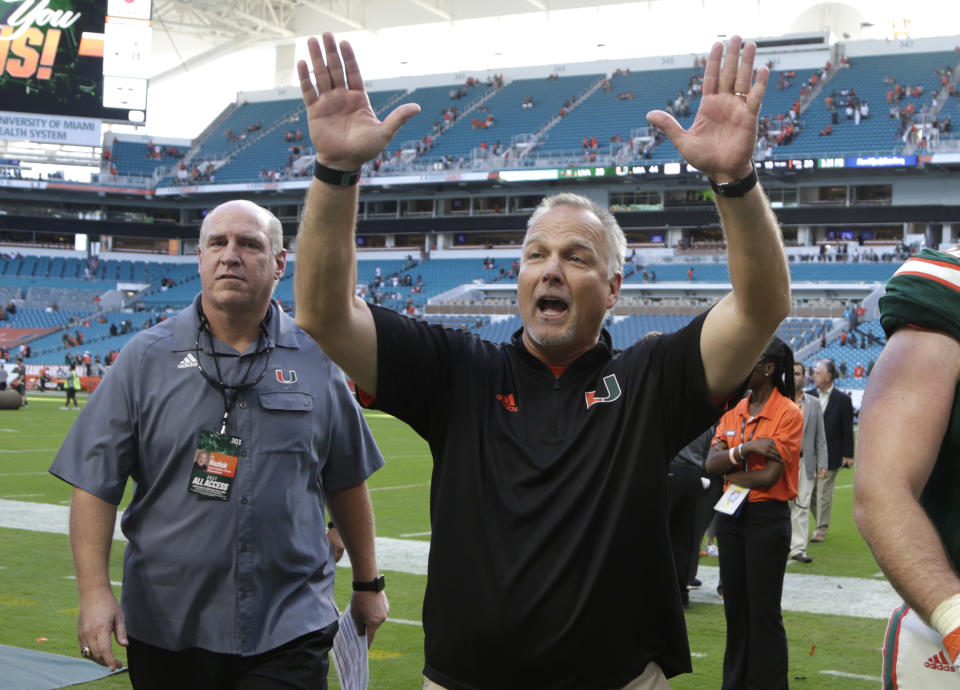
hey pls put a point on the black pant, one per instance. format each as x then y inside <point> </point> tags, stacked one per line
<point>71,395</point>
<point>301,663</point>
<point>705,512</point>
<point>683,492</point>
<point>753,556</point>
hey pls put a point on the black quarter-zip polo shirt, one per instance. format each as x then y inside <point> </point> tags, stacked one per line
<point>550,561</point>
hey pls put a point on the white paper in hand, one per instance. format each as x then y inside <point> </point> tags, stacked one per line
<point>350,655</point>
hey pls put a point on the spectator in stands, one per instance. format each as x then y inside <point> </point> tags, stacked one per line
<point>826,131</point>
<point>859,371</point>
<point>570,275</point>
<point>202,609</point>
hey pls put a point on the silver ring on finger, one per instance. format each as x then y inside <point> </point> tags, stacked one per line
<point>741,94</point>
<point>86,653</point>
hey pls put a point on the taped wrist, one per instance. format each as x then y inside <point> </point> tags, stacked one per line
<point>946,620</point>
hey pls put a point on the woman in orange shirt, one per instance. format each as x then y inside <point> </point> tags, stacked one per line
<point>757,447</point>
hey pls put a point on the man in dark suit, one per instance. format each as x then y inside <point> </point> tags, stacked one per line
<point>838,424</point>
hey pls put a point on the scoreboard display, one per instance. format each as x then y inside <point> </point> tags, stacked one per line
<point>75,58</point>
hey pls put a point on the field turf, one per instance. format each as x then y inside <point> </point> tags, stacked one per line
<point>38,600</point>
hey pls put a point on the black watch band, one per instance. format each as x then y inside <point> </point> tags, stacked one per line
<point>737,188</point>
<point>338,178</point>
<point>375,585</point>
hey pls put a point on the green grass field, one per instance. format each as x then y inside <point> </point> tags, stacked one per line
<point>38,601</point>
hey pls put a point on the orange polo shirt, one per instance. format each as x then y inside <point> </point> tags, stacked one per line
<point>781,420</point>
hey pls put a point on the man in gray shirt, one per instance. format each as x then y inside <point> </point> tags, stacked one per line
<point>228,576</point>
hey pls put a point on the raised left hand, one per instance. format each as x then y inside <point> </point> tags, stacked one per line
<point>721,141</point>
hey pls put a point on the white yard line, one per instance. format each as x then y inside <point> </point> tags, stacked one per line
<point>29,450</point>
<point>819,594</point>
<point>394,488</point>
<point>857,676</point>
<point>404,621</point>
<point>112,582</point>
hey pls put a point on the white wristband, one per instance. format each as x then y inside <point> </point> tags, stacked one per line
<point>946,617</point>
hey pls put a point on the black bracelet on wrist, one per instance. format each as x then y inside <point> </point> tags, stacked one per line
<point>737,188</point>
<point>338,178</point>
<point>330,525</point>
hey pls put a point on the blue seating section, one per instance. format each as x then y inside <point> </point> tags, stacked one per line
<point>604,115</point>
<point>40,318</point>
<point>19,278</point>
<point>876,134</point>
<point>799,332</point>
<point>853,355</point>
<point>432,101</point>
<point>96,337</point>
<point>272,151</point>
<point>217,147</point>
<point>131,158</point>
<point>510,117</point>
<point>500,331</point>
<point>814,271</point>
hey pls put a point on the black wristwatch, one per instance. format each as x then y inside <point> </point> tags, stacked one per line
<point>375,585</point>
<point>338,178</point>
<point>737,188</point>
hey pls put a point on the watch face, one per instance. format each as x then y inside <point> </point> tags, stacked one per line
<point>375,585</point>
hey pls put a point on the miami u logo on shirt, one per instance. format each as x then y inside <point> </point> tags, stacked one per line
<point>288,377</point>
<point>613,392</point>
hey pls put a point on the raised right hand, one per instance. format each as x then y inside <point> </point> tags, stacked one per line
<point>343,127</point>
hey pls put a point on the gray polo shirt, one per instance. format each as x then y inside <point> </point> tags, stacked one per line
<point>241,576</point>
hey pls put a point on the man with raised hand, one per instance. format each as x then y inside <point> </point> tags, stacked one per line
<point>907,486</point>
<point>550,563</point>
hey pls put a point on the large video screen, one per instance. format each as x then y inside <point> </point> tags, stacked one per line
<point>82,58</point>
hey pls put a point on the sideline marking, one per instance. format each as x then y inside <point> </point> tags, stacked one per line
<point>861,597</point>
<point>19,474</point>
<point>11,431</point>
<point>391,488</point>
<point>22,495</point>
<point>29,450</point>
<point>418,534</point>
<point>74,577</point>
<point>857,676</point>
<point>404,621</point>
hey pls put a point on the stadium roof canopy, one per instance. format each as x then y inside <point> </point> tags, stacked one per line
<point>189,33</point>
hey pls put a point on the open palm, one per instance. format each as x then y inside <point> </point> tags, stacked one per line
<point>343,127</point>
<point>724,133</point>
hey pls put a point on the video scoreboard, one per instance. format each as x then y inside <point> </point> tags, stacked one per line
<point>72,59</point>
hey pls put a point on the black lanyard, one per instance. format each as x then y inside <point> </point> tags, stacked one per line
<point>743,429</point>
<point>230,391</point>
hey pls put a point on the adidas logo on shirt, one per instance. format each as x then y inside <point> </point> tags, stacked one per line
<point>189,361</point>
<point>939,662</point>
